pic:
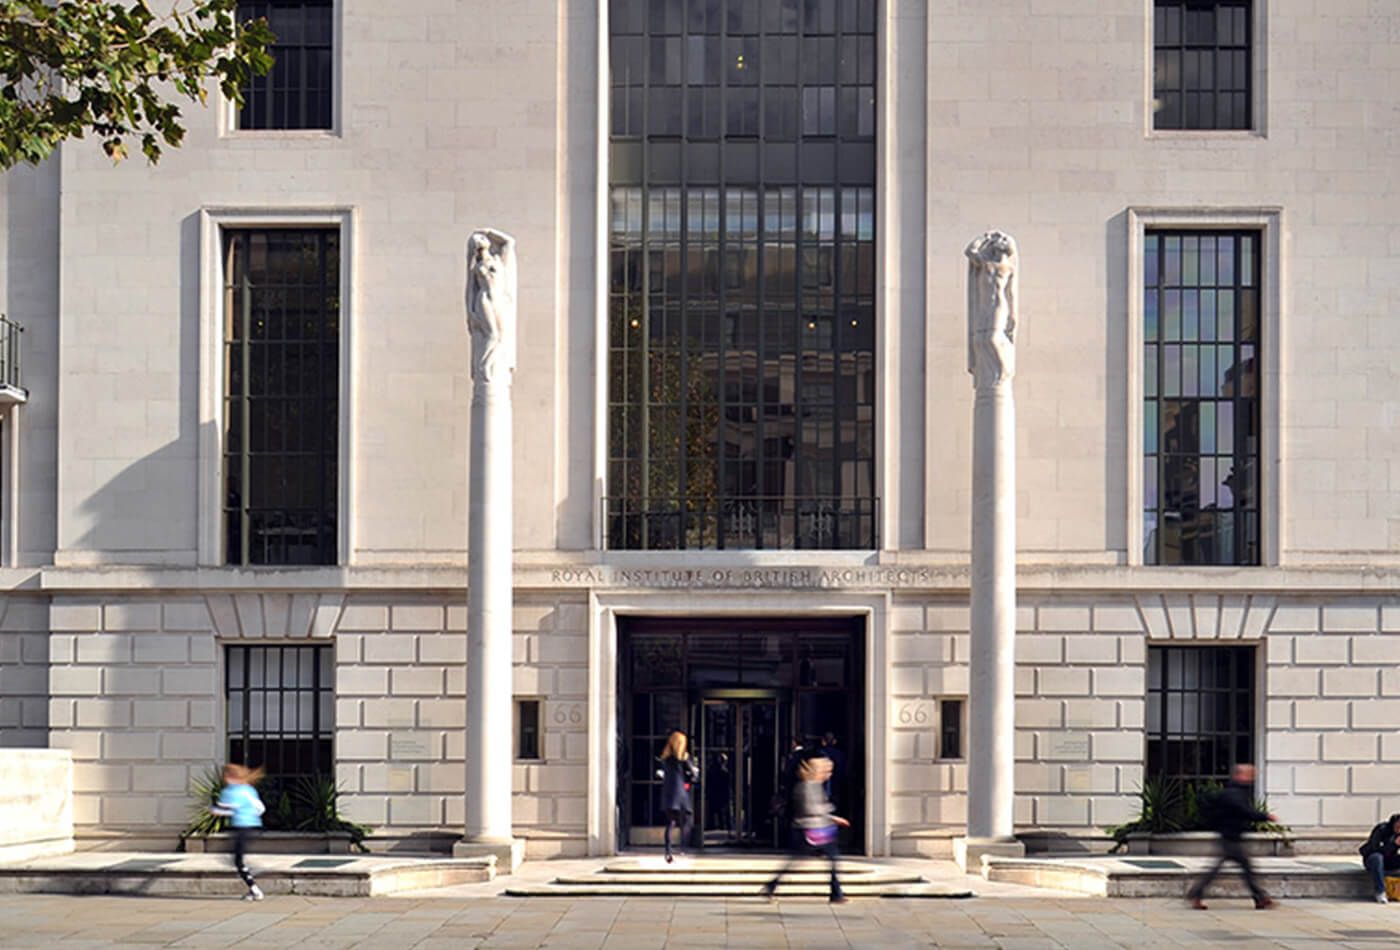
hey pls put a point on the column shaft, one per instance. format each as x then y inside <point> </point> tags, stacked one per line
<point>992,690</point>
<point>490,547</point>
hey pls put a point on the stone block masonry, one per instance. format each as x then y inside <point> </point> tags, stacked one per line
<point>134,688</point>
<point>1327,698</point>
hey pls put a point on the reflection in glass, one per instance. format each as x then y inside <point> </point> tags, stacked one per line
<point>742,275</point>
<point>1200,439</point>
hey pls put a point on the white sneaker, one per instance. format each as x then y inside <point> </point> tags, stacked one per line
<point>1381,898</point>
<point>254,894</point>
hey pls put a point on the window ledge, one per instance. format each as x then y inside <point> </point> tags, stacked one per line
<point>1207,135</point>
<point>279,135</point>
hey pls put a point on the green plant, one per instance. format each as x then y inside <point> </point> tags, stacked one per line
<point>1167,805</point>
<point>205,789</point>
<point>1159,812</point>
<point>316,807</point>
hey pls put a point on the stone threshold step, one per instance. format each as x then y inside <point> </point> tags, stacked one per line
<point>925,891</point>
<point>754,878</point>
<point>727,866</point>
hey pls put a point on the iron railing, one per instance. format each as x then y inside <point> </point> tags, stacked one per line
<point>777,522</point>
<point>9,352</point>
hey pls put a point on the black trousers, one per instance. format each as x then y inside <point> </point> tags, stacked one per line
<point>800,849</point>
<point>1231,849</point>
<point>679,818</point>
<point>242,839</point>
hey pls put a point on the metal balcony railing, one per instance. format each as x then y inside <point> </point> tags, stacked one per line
<point>777,522</point>
<point>9,354</point>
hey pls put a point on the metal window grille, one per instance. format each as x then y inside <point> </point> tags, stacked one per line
<point>742,290</point>
<point>1201,64</point>
<point>1201,314</point>
<point>281,398</point>
<point>280,712</point>
<point>296,93</point>
<point>1200,711</point>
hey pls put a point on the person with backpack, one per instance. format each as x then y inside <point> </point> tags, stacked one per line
<point>239,802</point>
<point>1381,854</point>
<point>1232,812</point>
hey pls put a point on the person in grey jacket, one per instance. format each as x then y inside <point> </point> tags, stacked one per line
<point>814,824</point>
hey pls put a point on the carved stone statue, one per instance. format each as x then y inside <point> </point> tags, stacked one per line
<point>991,308</point>
<point>491,283</point>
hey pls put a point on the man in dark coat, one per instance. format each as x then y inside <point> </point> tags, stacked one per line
<point>1232,813</point>
<point>1381,854</point>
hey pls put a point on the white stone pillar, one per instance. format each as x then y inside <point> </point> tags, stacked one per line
<point>491,284</point>
<point>991,758</point>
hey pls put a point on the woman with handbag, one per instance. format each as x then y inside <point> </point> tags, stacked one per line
<point>814,823</point>
<point>677,773</point>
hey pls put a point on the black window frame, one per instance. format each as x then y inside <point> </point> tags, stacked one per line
<point>1202,65</point>
<point>742,292</point>
<point>952,731</point>
<point>282,373</point>
<point>298,92</point>
<point>529,729</point>
<point>1224,673</point>
<point>1191,435</point>
<point>312,745</point>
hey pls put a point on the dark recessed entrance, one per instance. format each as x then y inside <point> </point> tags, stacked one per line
<point>743,691</point>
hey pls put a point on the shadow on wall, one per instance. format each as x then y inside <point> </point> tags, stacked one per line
<point>1116,406</point>
<point>24,673</point>
<point>145,511</point>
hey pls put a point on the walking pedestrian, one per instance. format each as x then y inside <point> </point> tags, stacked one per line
<point>677,774</point>
<point>1381,854</point>
<point>1232,812</point>
<point>239,802</point>
<point>814,824</point>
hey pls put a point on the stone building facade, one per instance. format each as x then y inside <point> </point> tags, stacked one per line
<point>120,600</point>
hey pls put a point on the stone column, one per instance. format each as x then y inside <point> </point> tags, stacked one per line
<point>991,760</point>
<point>491,286</point>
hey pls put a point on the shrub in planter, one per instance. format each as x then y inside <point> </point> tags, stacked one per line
<point>1168,805</point>
<point>311,804</point>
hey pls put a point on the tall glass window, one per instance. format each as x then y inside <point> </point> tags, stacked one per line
<point>1200,374</point>
<point>742,282</point>
<point>1200,711</point>
<point>1201,64</point>
<point>296,92</point>
<point>281,395</point>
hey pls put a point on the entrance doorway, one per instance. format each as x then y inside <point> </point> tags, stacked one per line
<point>751,695</point>
<point>740,746</point>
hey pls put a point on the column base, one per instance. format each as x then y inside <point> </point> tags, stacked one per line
<point>969,852</point>
<point>508,852</point>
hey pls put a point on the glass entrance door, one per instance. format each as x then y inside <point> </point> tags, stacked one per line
<point>742,735</point>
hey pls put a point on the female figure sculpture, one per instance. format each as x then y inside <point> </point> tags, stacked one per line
<point>991,308</point>
<point>491,284</point>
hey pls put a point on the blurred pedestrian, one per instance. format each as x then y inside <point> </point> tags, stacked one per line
<point>814,823</point>
<point>1231,814</point>
<point>239,802</point>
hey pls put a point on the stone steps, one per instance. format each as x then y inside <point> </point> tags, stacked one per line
<point>91,872</point>
<point>734,877</point>
<point>1336,878</point>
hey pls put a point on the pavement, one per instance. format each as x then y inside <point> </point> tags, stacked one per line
<point>474,915</point>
